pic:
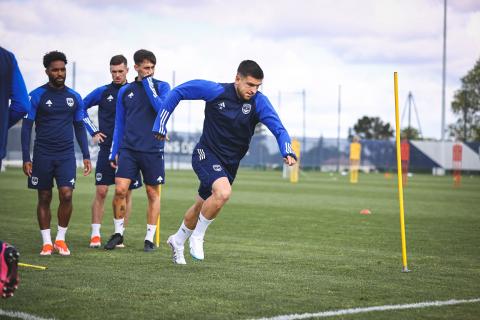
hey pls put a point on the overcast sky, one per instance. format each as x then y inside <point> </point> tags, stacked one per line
<point>313,45</point>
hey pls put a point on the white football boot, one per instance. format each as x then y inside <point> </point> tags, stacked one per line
<point>177,251</point>
<point>196,248</point>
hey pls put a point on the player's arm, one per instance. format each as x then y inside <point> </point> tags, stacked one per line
<point>20,104</point>
<point>267,115</point>
<point>191,90</point>
<point>119,126</point>
<point>81,136</point>
<point>156,94</point>
<point>26,133</point>
<point>93,99</point>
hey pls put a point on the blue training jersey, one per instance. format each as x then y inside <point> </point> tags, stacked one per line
<point>229,121</point>
<point>135,115</point>
<point>12,87</point>
<point>106,99</point>
<point>56,112</point>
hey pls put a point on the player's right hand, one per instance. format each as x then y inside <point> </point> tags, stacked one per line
<point>113,163</point>
<point>99,137</point>
<point>160,137</point>
<point>27,168</point>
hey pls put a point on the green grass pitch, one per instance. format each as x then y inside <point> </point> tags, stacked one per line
<point>275,249</point>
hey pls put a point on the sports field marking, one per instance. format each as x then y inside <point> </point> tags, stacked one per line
<point>21,315</point>
<point>342,312</point>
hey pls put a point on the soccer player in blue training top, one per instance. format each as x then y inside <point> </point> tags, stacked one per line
<point>55,109</point>
<point>12,87</point>
<point>106,98</point>
<point>134,147</point>
<point>232,110</point>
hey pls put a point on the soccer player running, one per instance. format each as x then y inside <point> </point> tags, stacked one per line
<point>232,110</point>
<point>12,87</point>
<point>106,98</point>
<point>134,147</point>
<point>55,108</point>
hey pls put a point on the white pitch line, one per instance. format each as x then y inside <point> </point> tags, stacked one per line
<point>342,312</point>
<point>21,315</point>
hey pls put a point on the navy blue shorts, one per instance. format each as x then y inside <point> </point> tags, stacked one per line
<point>150,164</point>
<point>209,168</point>
<point>105,174</point>
<point>45,168</point>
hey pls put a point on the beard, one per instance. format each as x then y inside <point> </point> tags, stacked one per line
<point>57,82</point>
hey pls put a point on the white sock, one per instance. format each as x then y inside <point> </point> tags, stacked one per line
<point>151,228</point>
<point>61,233</point>
<point>47,238</point>
<point>202,225</point>
<point>96,230</point>
<point>118,226</point>
<point>182,234</point>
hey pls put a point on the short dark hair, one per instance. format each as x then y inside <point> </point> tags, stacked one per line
<point>143,54</point>
<point>51,56</point>
<point>118,59</point>
<point>250,68</point>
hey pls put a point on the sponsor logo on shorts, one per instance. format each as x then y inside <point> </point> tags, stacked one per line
<point>98,176</point>
<point>70,102</point>
<point>72,181</point>
<point>217,167</point>
<point>34,181</point>
<point>246,108</point>
<point>160,179</point>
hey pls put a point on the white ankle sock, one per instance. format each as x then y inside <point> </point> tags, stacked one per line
<point>96,230</point>
<point>151,228</point>
<point>182,234</point>
<point>201,228</point>
<point>46,237</point>
<point>118,226</point>
<point>61,233</point>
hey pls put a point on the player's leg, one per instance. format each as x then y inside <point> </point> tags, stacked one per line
<point>177,240</point>
<point>127,170</point>
<point>135,184</point>
<point>42,180</point>
<point>153,171</point>
<point>44,216</point>
<point>98,209</point>
<point>104,177</point>
<point>65,174</point>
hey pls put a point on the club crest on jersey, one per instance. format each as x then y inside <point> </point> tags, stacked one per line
<point>34,181</point>
<point>217,167</point>
<point>98,176</point>
<point>70,102</point>
<point>246,108</point>
<point>110,98</point>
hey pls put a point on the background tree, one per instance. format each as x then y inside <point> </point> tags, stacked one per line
<point>410,133</point>
<point>466,105</point>
<point>372,128</point>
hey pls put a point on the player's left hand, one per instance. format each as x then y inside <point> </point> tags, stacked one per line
<point>290,160</point>
<point>99,137</point>
<point>161,137</point>
<point>87,167</point>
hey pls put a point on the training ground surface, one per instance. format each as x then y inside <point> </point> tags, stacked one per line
<point>276,249</point>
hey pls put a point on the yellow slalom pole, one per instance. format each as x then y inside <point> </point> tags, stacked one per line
<point>157,233</point>
<point>31,266</point>
<point>399,173</point>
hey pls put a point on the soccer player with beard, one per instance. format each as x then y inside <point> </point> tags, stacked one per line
<point>232,110</point>
<point>57,112</point>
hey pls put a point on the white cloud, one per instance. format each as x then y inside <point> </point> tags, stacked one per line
<point>308,44</point>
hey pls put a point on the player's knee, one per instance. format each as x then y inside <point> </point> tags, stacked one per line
<point>121,191</point>
<point>44,197</point>
<point>66,196</point>
<point>102,193</point>
<point>152,194</point>
<point>223,195</point>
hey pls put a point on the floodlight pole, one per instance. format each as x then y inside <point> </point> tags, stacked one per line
<point>338,127</point>
<point>444,63</point>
